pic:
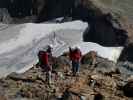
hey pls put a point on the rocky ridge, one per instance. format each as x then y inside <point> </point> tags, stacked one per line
<point>104,81</point>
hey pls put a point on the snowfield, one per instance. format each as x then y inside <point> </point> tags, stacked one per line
<point>21,43</point>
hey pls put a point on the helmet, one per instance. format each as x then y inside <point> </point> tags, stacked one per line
<point>77,47</point>
<point>43,49</point>
<point>50,46</point>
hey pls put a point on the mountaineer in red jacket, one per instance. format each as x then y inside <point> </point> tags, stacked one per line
<point>45,64</point>
<point>75,57</point>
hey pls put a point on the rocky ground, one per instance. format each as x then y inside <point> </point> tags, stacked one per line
<point>104,81</point>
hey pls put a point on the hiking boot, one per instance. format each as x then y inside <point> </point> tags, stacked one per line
<point>74,74</point>
<point>77,74</point>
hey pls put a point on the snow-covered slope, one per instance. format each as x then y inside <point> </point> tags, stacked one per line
<point>22,42</point>
<point>18,50</point>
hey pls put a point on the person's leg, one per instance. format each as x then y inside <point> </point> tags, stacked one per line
<point>93,61</point>
<point>49,77</point>
<point>47,72</point>
<point>77,67</point>
<point>74,67</point>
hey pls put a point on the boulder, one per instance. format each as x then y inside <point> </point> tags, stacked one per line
<point>89,58</point>
<point>61,64</point>
<point>105,66</point>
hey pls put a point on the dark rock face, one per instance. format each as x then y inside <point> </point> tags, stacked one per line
<point>128,89</point>
<point>103,32</point>
<point>4,3</point>
<point>17,8</point>
<point>55,8</point>
<point>20,8</point>
<point>127,53</point>
<point>58,8</point>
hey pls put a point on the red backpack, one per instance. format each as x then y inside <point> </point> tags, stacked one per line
<point>43,57</point>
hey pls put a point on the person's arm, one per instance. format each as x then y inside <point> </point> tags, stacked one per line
<point>70,53</point>
<point>80,56</point>
<point>70,49</point>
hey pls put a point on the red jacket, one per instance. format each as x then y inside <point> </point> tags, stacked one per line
<point>75,55</point>
<point>43,56</point>
<point>44,60</point>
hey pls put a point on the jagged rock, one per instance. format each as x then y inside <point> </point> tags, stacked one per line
<point>128,88</point>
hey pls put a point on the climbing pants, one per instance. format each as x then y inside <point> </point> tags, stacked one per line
<point>75,67</point>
